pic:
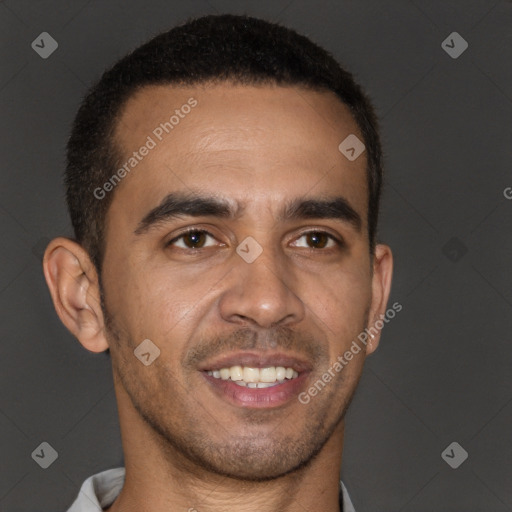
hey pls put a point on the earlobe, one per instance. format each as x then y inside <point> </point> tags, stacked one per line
<point>74,287</point>
<point>370,344</point>
<point>381,288</point>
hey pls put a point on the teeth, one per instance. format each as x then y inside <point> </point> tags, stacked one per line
<point>280,373</point>
<point>224,373</point>
<point>251,374</point>
<point>255,377</point>
<point>236,373</point>
<point>265,384</point>
<point>268,374</point>
<point>256,384</point>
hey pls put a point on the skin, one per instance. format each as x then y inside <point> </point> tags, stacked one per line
<point>185,448</point>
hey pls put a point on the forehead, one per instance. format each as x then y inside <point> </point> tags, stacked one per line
<point>259,144</point>
<point>247,109</point>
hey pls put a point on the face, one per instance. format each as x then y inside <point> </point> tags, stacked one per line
<point>238,240</point>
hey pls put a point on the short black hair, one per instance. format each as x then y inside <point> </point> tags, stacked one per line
<point>214,48</point>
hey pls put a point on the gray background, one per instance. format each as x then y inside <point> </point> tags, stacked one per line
<point>442,372</point>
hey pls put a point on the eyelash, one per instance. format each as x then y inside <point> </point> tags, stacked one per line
<point>339,242</point>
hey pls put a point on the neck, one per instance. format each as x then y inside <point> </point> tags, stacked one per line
<point>160,478</point>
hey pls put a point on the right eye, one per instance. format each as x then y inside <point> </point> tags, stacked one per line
<point>192,239</point>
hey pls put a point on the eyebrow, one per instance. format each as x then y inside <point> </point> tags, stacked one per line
<point>178,205</point>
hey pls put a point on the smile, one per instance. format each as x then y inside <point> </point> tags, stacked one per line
<point>251,377</point>
<point>252,390</point>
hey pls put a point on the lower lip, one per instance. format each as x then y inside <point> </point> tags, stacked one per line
<point>258,398</point>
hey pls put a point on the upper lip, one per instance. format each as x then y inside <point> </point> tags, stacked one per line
<point>257,360</point>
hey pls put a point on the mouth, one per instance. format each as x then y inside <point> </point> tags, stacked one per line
<point>250,377</point>
<point>257,380</point>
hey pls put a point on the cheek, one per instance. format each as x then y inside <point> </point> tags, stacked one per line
<point>339,301</point>
<point>161,303</point>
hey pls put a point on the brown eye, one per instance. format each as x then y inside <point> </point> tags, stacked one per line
<point>319,240</point>
<point>192,239</point>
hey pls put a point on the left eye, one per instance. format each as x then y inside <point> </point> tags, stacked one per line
<point>320,239</point>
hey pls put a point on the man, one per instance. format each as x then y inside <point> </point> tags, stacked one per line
<point>223,181</point>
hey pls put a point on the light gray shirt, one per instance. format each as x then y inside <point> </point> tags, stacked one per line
<point>100,490</point>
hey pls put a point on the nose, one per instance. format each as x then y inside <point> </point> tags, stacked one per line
<point>262,293</point>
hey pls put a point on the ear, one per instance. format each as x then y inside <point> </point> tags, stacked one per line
<point>74,287</point>
<point>381,287</point>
